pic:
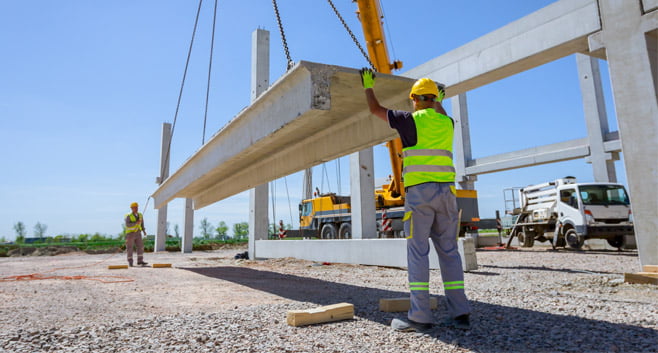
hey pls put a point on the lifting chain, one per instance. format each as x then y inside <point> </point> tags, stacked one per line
<point>283,35</point>
<point>356,41</point>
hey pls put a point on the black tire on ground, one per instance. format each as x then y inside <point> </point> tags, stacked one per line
<point>345,231</point>
<point>617,242</point>
<point>574,240</point>
<point>526,240</point>
<point>328,231</point>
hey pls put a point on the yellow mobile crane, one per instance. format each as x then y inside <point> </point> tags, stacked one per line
<point>330,214</point>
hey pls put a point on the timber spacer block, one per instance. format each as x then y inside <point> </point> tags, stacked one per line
<point>394,305</point>
<point>117,267</point>
<point>328,313</point>
<point>161,265</point>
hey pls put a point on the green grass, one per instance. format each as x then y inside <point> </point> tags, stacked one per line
<point>113,245</point>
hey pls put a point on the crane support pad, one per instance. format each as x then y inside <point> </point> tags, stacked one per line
<point>312,114</point>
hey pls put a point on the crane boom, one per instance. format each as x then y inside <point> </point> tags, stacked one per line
<point>370,15</point>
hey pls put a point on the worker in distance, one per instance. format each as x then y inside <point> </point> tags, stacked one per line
<point>134,228</point>
<point>430,204</point>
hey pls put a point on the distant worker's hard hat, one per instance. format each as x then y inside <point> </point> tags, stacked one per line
<point>422,87</point>
<point>134,204</point>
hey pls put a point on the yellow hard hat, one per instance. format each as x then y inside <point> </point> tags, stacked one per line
<point>134,204</point>
<point>424,86</point>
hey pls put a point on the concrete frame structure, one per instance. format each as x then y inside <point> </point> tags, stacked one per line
<point>625,32</point>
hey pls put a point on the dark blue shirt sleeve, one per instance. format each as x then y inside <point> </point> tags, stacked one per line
<point>404,123</point>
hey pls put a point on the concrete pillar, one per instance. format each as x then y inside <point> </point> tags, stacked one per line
<point>260,78</point>
<point>161,232</point>
<point>462,143</point>
<point>362,187</point>
<point>307,191</point>
<point>596,119</point>
<point>630,38</point>
<point>188,228</point>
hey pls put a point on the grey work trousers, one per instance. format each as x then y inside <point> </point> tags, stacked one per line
<point>431,213</point>
<point>135,239</point>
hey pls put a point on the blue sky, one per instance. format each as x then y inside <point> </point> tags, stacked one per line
<point>86,85</point>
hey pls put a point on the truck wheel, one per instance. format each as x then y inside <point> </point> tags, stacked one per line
<point>345,231</point>
<point>328,231</point>
<point>574,240</point>
<point>525,240</point>
<point>617,242</point>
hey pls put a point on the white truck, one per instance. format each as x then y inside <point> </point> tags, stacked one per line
<point>566,213</point>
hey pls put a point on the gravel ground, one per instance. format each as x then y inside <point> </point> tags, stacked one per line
<point>533,300</point>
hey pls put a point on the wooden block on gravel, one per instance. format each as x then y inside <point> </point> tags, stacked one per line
<point>640,278</point>
<point>329,313</point>
<point>161,265</point>
<point>117,267</point>
<point>650,268</point>
<point>393,305</point>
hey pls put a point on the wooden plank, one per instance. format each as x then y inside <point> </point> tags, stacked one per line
<point>328,313</point>
<point>650,268</point>
<point>639,279</point>
<point>648,274</point>
<point>161,265</point>
<point>393,305</point>
<point>117,267</point>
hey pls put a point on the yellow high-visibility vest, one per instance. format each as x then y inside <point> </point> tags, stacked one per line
<point>430,160</point>
<point>133,219</point>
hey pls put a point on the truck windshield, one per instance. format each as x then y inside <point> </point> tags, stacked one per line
<point>305,209</point>
<point>603,195</point>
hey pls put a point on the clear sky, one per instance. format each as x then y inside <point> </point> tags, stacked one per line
<point>86,85</point>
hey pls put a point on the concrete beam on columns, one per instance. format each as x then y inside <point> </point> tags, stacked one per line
<point>557,30</point>
<point>291,126</point>
<point>630,41</point>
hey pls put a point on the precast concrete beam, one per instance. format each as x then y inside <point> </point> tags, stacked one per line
<point>312,114</point>
<point>556,31</point>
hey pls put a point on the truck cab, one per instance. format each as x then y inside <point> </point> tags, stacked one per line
<point>594,210</point>
<point>566,213</point>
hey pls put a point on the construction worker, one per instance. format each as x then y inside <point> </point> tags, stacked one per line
<point>430,202</point>
<point>134,229</point>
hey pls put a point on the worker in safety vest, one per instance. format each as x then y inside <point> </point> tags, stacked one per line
<point>430,202</point>
<point>134,229</point>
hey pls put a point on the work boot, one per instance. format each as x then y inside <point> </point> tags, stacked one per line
<point>407,325</point>
<point>130,263</point>
<point>461,322</point>
<point>142,263</point>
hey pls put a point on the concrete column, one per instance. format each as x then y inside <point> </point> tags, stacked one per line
<point>260,78</point>
<point>630,41</point>
<point>603,164</point>
<point>161,232</point>
<point>362,186</point>
<point>188,228</point>
<point>462,144</point>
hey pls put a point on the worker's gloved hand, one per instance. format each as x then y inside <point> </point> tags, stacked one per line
<point>367,78</point>
<point>442,94</point>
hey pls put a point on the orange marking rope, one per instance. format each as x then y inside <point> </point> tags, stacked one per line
<point>40,276</point>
